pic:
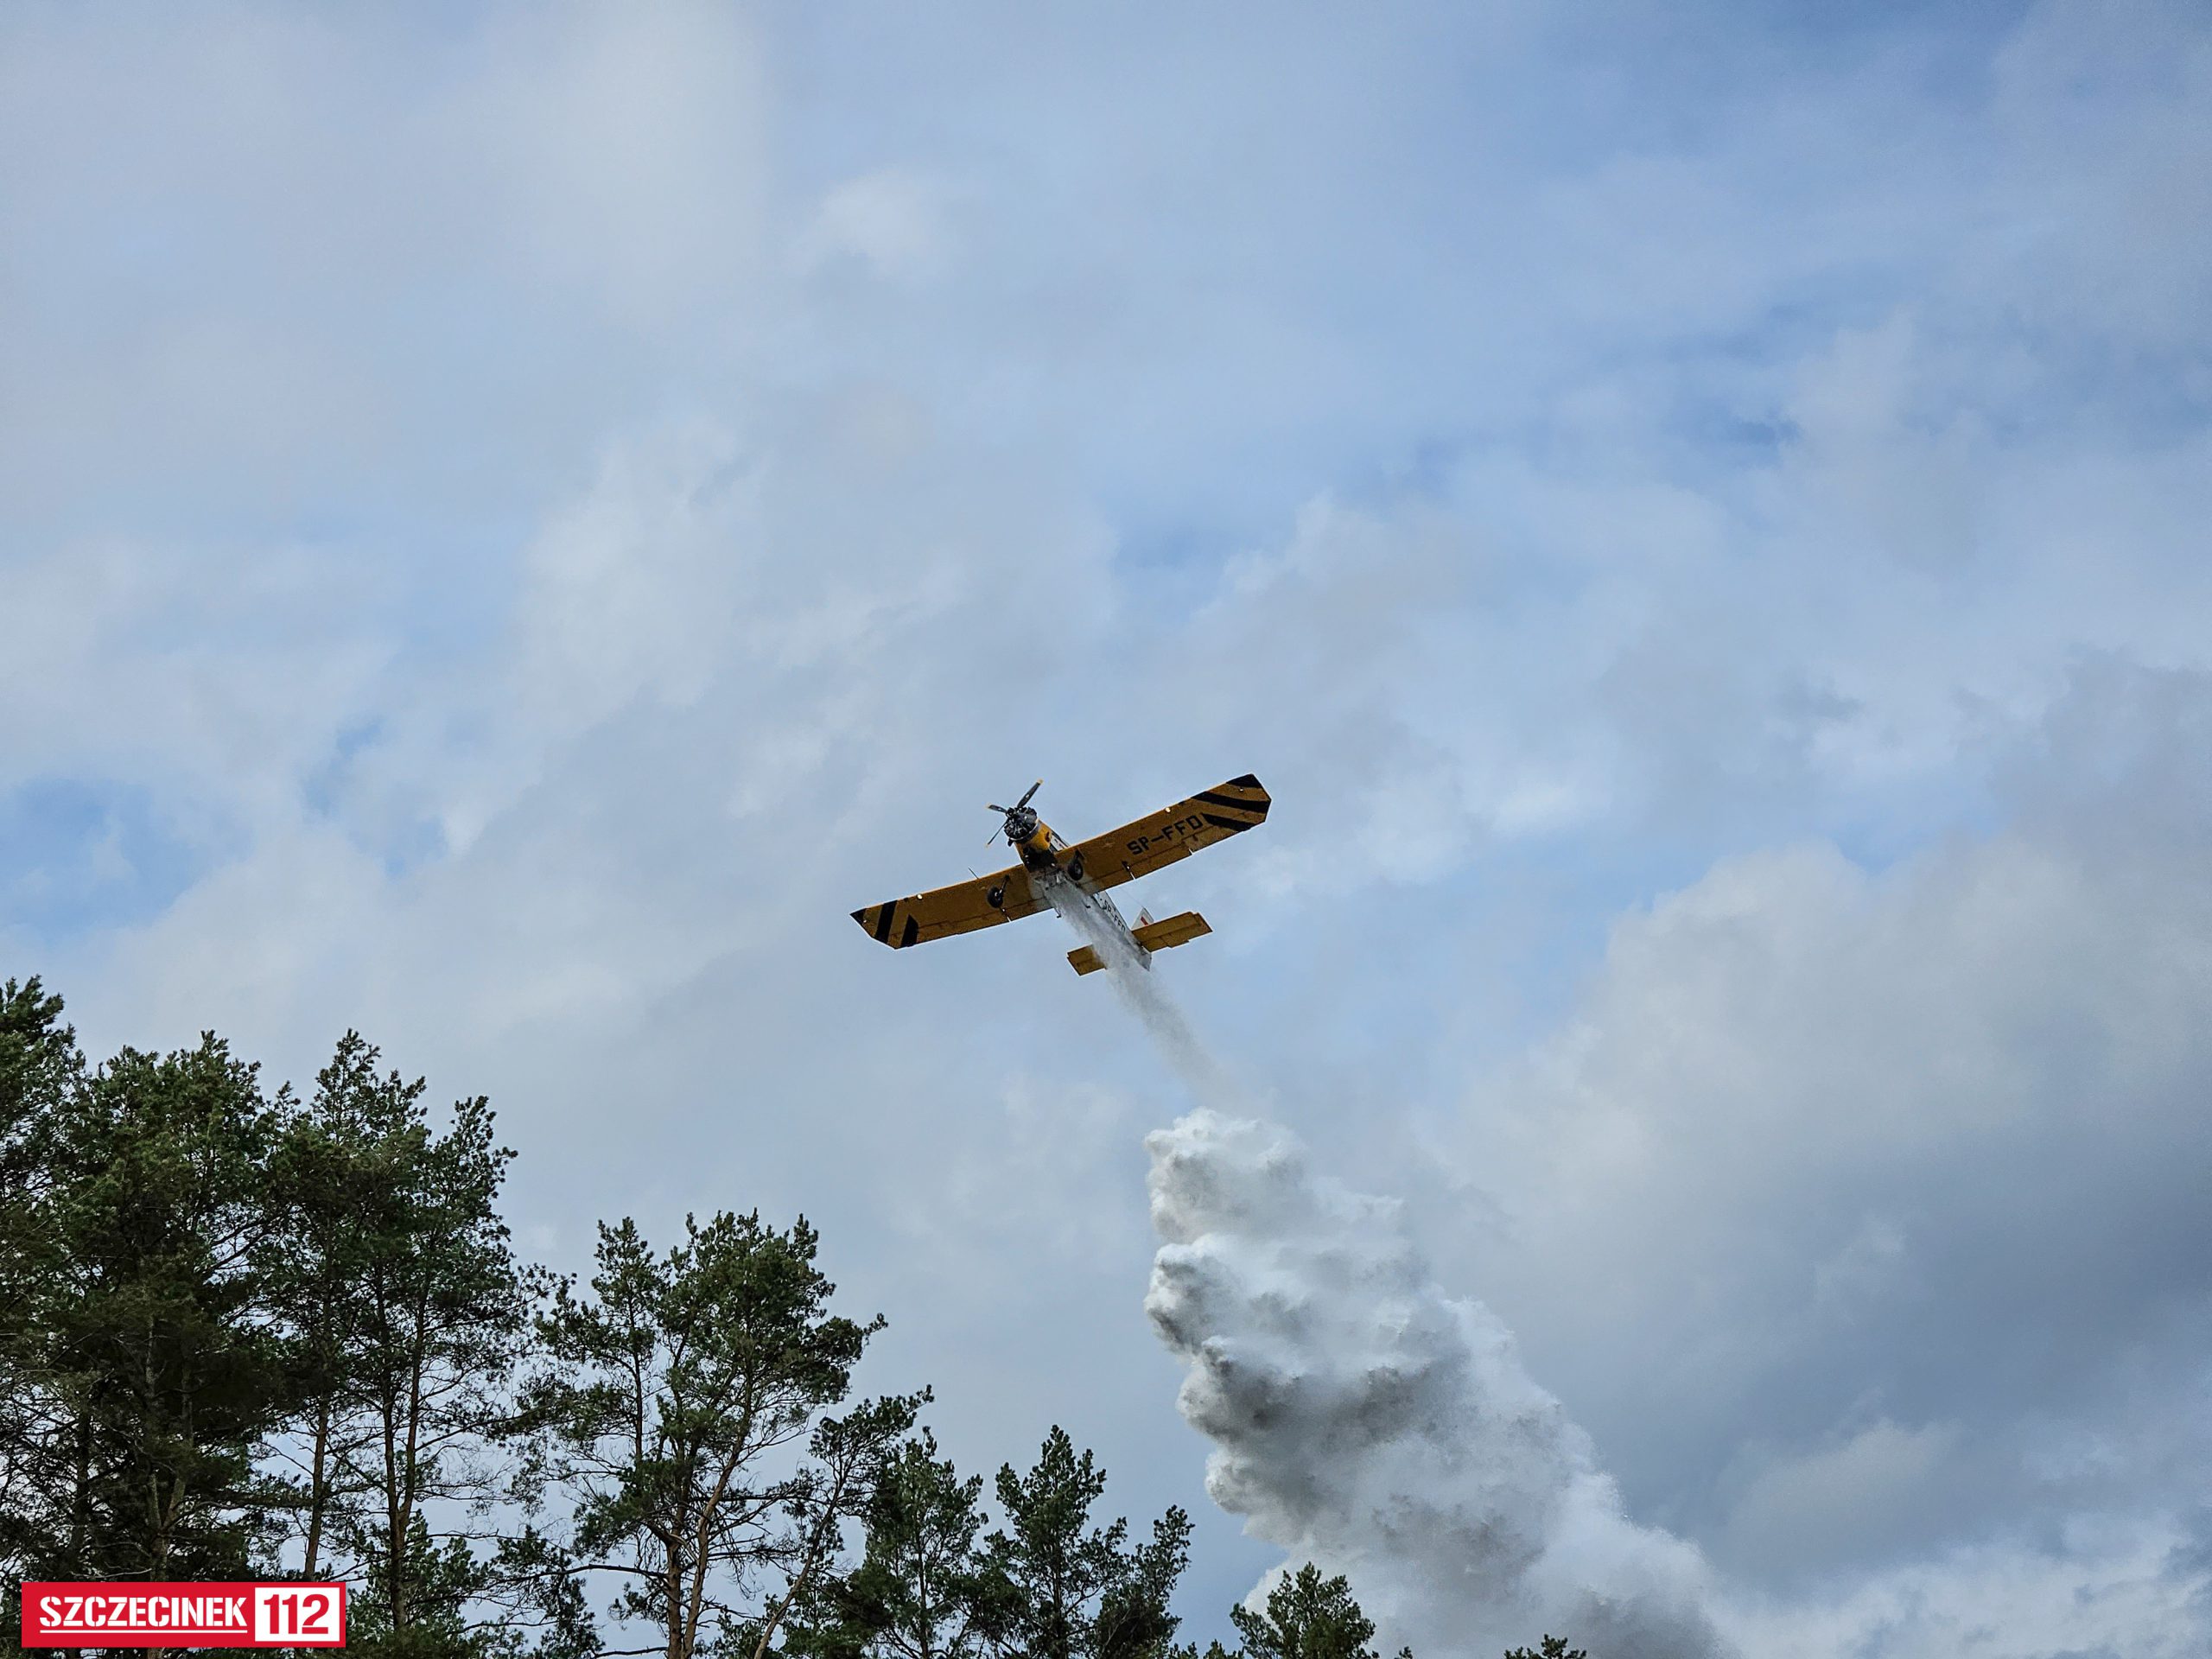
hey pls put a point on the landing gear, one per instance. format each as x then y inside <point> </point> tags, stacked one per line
<point>1075,867</point>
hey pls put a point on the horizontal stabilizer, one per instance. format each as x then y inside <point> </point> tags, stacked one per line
<point>1151,935</point>
<point>1176,930</point>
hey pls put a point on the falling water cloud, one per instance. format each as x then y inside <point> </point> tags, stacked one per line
<point>1364,1419</point>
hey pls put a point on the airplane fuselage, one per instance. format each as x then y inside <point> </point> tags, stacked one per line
<point>1047,857</point>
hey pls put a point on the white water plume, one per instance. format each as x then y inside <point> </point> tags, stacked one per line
<point>1361,1419</point>
<point>1140,992</point>
<point>1364,1421</point>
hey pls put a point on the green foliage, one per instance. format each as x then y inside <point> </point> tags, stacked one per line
<point>920,1589</point>
<point>152,1331</point>
<point>1308,1617</point>
<point>1071,1588</point>
<point>683,1410</point>
<point>1133,1622</point>
<point>1554,1647</point>
<point>39,1071</point>
<point>439,1581</point>
<point>392,1273</point>
<point>1056,1563</point>
<point>544,1592</point>
<point>143,1369</point>
<point>232,1320</point>
<point>1049,1582</point>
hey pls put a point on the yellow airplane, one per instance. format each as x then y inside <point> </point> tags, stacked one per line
<point>1080,874</point>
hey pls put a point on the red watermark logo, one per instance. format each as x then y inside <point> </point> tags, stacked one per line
<point>184,1615</point>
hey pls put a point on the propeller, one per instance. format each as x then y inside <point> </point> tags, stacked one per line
<point>1006,812</point>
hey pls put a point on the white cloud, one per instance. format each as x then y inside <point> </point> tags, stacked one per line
<point>894,218</point>
<point>2102,1587</point>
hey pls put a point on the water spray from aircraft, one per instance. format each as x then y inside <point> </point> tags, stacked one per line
<point>1140,992</point>
<point>1364,1419</point>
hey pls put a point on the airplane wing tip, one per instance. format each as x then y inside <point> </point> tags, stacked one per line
<point>1258,800</point>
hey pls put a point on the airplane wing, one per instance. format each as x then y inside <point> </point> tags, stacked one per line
<point>1173,832</point>
<point>961,908</point>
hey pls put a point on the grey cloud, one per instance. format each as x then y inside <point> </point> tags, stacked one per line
<point>1900,1175</point>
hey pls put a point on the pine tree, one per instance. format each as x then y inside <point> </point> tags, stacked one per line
<point>1134,1621</point>
<point>1554,1647</point>
<point>41,1070</point>
<point>1308,1617</point>
<point>920,1589</point>
<point>1056,1562</point>
<point>1073,1589</point>
<point>152,1333</point>
<point>683,1411</point>
<point>325,1181</point>
<point>406,1311</point>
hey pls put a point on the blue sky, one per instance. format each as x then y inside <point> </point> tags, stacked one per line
<point>515,520</point>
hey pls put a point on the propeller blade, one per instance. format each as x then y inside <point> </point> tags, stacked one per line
<point>1032,789</point>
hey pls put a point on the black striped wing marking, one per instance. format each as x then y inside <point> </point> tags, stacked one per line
<point>1173,832</point>
<point>964,907</point>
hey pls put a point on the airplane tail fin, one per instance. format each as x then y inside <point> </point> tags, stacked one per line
<point>1151,935</point>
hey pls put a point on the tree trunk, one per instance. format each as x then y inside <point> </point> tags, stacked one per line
<point>393,1512</point>
<point>80,1507</point>
<point>319,1486</point>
